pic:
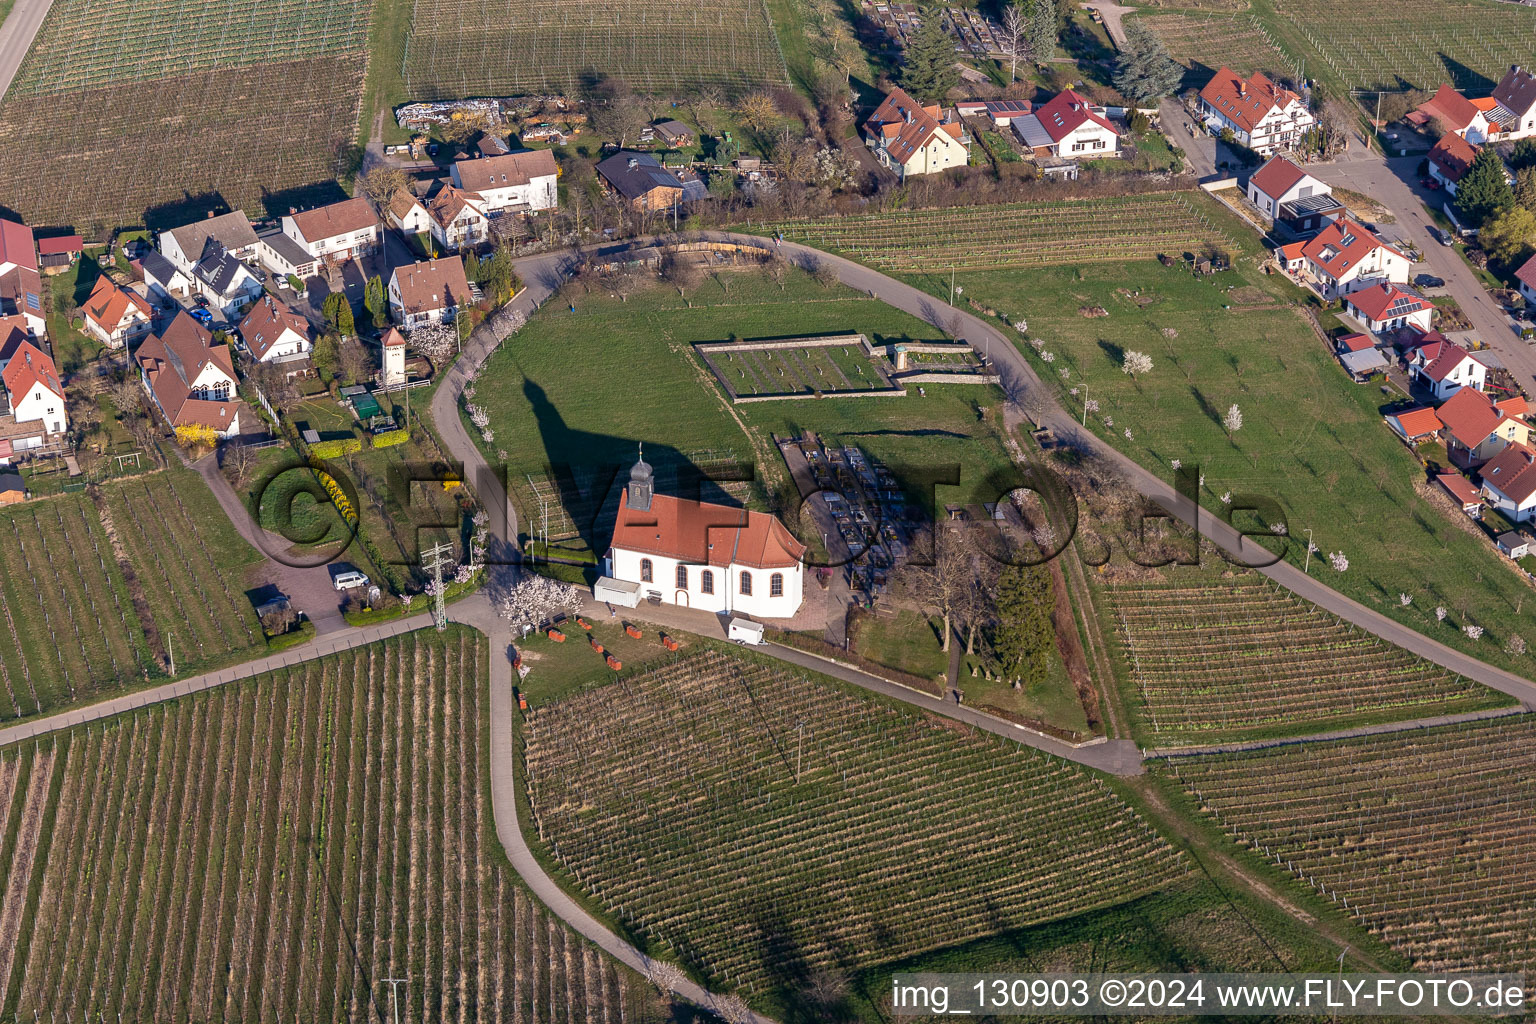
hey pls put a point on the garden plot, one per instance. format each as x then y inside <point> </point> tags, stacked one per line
<point>458,49</point>
<point>267,850</point>
<point>1017,234</point>
<point>1425,837</point>
<point>730,811</point>
<point>1217,659</point>
<point>783,368</point>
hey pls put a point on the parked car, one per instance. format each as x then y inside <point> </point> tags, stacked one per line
<point>349,580</point>
<point>202,316</point>
<point>1429,183</point>
<point>1441,235</point>
<point>1429,281</point>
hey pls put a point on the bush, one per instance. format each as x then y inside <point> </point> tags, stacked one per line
<point>296,284</point>
<point>336,449</point>
<point>390,438</point>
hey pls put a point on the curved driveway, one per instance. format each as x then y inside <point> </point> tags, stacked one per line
<point>543,274</point>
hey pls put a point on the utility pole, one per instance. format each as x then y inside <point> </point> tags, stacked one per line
<point>799,750</point>
<point>1306,565</point>
<point>433,560</point>
<point>951,286</point>
<point>393,1001</point>
<point>1085,403</point>
<point>170,650</point>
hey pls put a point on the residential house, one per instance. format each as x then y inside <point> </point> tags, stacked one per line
<point>1509,483</point>
<point>1386,307</point>
<point>1067,127</point>
<point>407,215</point>
<point>21,287</point>
<point>1449,161</point>
<point>187,245</point>
<point>1462,493</point>
<point>1292,257</point>
<point>1526,276</point>
<point>224,281</point>
<point>1476,429</point>
<point>458,219</point>
<point>1516,93</point>
<point>338,232</point>
<point>190,379</point>
<point>701,555</point>
<point>36,416</point>
<point>1445,368</point>
<point>1346,257</point>
<point>1454,114</point>
<point>1415,426</point>
<point>428,292</point>
<point>57,254</point>
<point>1279,181</point>
<point>1359,356</point>
<point>1260,114</point>
<point>273,333</point>
<point>165,281</point>
<point>115,316</point>
<point>1512,545</point>
<point>646,185</point>
<point>908,138</point>
<point>284,256</point>
<point>674,134</point>
<point>517,182</point>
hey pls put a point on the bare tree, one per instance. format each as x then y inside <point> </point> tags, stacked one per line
<point>1015,40</point>
<point>238,460</point>
<point>356,360</point>
<point>681,272</point>
<point>382,182</point>
<point>942,583</point>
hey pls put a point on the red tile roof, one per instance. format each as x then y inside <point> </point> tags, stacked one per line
<point>1376,301</point>
<point>1516,90</point>
<point>108,304</point>
<point>1512,473</point>
<point>267,321</point>
<point>1459,487</point>
<point>1453,110</point>
<point>450,202</point>
<point>1348,241</point>
<point>1276,177</point>
<point>705,534</point>
<point>907,125</point>
<point>1452,156</point>
<point>28,366</point>
<point>59,244</point>
<point>1440,358</point>
<point>1292,251</point>
<point>172,361</point>
<point>432,285</point>
<point>1245,101</point>
<point>1515,405</point>
<point>1065,112</point>
<point>1356,342</point>
<point>341,218</point>
<point>1526,275</point>
<point>1470,416</point>
<point>1418,422</point>
<point>507,170</point>
<point>16,245</point>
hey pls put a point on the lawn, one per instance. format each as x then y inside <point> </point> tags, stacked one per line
<point>1309,439</point>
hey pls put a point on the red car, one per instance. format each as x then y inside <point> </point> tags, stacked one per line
<point>1429,183</point>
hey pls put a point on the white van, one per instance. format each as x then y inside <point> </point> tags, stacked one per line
<point>349,580</point>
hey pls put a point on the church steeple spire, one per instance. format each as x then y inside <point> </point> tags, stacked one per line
<point>642,484</point>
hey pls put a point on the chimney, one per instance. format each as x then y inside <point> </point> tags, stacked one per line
<point>634,162</point>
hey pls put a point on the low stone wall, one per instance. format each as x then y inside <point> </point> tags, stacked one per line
<point>791,396</point>
<point>942,377</point>
<point>779,344</point>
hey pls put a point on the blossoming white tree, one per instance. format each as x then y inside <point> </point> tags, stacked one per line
<point>537,599</point>
<point>1233,420</point>
<point>1136,363</point>
<point>1338,561</point>
<point>1474,632</point>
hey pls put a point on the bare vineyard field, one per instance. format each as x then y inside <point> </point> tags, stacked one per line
<point>86,44</point>
<point>1017,234</point>
<point>502,47</point>
<point>673,798</point>
<point>98,157</point>
<point>359,849</point>
<point>68,630</point>
<point>1417,43</point>
<point>1425,837</point>
<point>1236,39</point>
<point>1219,659</point>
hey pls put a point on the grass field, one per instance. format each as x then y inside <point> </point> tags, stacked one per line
<point>1217,659</point>
<point>1018,234</point>
<point>661,46</point>
<point>1310,439</point>
<point>113,92</point>
<point>362,849</point>
<point>625,372</point>
<point>1425,837</point>
<point>688,801</point>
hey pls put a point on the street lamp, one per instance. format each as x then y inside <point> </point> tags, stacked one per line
<point>1307,565</point>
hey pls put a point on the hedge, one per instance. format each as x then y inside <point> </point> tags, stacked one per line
<point>390,438</point>
<point>335,449</point>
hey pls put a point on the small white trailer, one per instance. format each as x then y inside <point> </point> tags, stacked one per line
<point>744,631</point>
<point>620,592</point>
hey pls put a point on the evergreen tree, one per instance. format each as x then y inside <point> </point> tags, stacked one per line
<point>1024,631</point>
<point>928,67</point>
<point>1523,155</point>
<point>1484,191</point>
<point>1042,30</point>
<point>472,268</point>
<point>338,313</point>
<point>1525,187</point>
<point>1144,71</point>
<point>373,300</point>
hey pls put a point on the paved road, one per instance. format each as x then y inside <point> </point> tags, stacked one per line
<point>1343,734</point>
<point>16,35</point>
<point>1113,15</point>
<point>1395,184</point>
